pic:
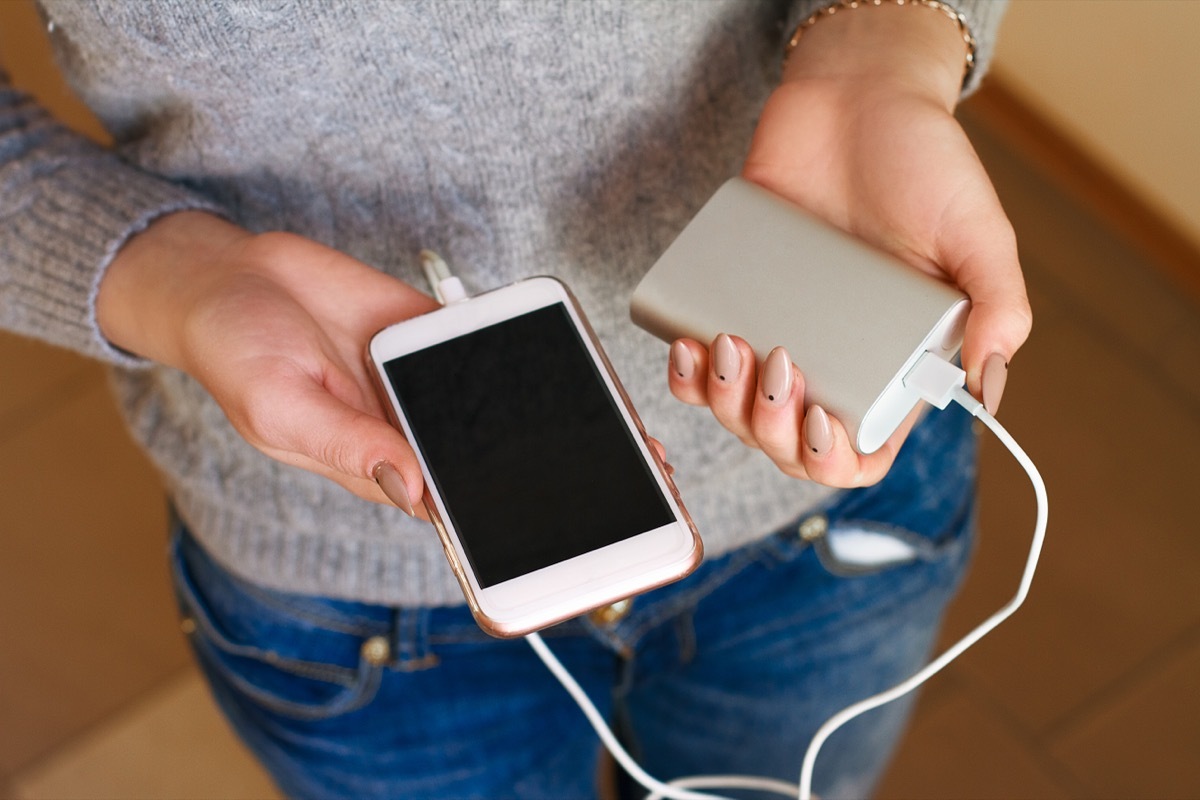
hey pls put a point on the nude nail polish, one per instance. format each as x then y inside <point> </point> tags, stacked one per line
<point>392,484</point>
<point>995,375</point>
<point>818,432</point>
<point>776,384</point>
<point>682,362</point>
<point>727,362</point>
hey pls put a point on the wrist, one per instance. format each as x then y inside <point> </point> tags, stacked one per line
<point>146,290</point>
<point>893,46</point>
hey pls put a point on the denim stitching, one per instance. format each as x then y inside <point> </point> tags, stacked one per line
<point>333,621</point>
<point>782,547</point>
<point>186,593</point>
<point>683,601</point>
<point>685,634</point>
<point>354,696</point>
<point>329,673</point>
<point>624,641</point>
<point>910,587</point>
<point>898,597</point>
<point>358,686</point>
<point>410,640</point>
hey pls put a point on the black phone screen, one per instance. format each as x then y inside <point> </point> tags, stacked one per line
<point>526,445</point>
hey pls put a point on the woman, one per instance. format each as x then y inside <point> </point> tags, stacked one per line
<point>276,168</point>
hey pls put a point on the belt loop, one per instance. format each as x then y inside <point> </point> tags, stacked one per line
<point>410,639</point>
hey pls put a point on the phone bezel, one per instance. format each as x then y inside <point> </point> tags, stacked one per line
<point>579,584</point>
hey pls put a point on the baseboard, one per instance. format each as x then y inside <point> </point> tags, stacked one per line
<point>1058,158</point>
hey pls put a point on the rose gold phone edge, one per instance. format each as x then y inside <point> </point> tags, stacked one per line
<point>505,629</point>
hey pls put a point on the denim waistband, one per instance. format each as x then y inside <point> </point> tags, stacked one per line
<point>925,498</point>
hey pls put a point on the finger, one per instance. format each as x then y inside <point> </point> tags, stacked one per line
<point>687,372</point>
<point>658,448</point>
<point>367,489</point>
<point>982,257</point>
<point>661,452</point>
<point>829,457</point>
<point>347,444</point>
<point>995,330</point>
<point>778,409</point>
<point>732,382</point>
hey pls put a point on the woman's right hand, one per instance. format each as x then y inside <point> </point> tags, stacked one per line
<point>274,326</point>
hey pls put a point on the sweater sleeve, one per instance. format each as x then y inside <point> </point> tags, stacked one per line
<point>982,19</point>
<point>67,205</point>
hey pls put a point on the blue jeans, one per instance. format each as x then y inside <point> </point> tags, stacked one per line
<point>729,670</point>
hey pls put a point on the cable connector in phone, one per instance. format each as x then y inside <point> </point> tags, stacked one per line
<point>446,288</point>
<point>451,290</point>
<point>935,379</point>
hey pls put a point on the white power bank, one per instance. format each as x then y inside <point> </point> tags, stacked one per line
<point>853,319</point>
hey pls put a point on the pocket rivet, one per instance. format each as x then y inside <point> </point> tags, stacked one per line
<point>187,625</point>
<point>814,527</point>
<point>376,651</point>
<point>612,613</point>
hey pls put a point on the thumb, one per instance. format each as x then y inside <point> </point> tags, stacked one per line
<point>1000,318</point>
<point>358,450</point>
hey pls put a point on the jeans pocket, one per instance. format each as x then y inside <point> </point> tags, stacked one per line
<point>858,548</point>
<point>852,548</point>
<point>259,653</point>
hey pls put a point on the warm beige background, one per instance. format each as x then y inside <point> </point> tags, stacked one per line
<point>1121,78</point>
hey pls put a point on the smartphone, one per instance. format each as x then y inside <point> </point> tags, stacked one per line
<point>853,318</point>
<point>548,499</point>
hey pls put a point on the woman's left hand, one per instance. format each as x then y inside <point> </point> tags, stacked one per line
<point>861,132</point>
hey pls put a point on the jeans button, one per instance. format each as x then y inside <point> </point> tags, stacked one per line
<point>612,613</point>
<point>376,651</point>
<point>814,527</point>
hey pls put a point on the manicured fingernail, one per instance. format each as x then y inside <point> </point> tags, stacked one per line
<point>727,362</point>
<point>392,484</point>
<point>817,430</point>
<point>777,376</point>
<point>995,375</point>
<point>681,360</point>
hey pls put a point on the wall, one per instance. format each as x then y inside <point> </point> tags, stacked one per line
<point>1122,79</point>
<point>25,53</point>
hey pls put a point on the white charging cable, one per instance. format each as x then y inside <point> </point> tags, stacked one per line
<point>446,287</point>
<point>938,382</point>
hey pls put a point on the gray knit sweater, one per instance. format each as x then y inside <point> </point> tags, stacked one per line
<point>566,138</point>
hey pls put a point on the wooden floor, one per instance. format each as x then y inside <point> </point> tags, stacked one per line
<point>1088,692</point>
